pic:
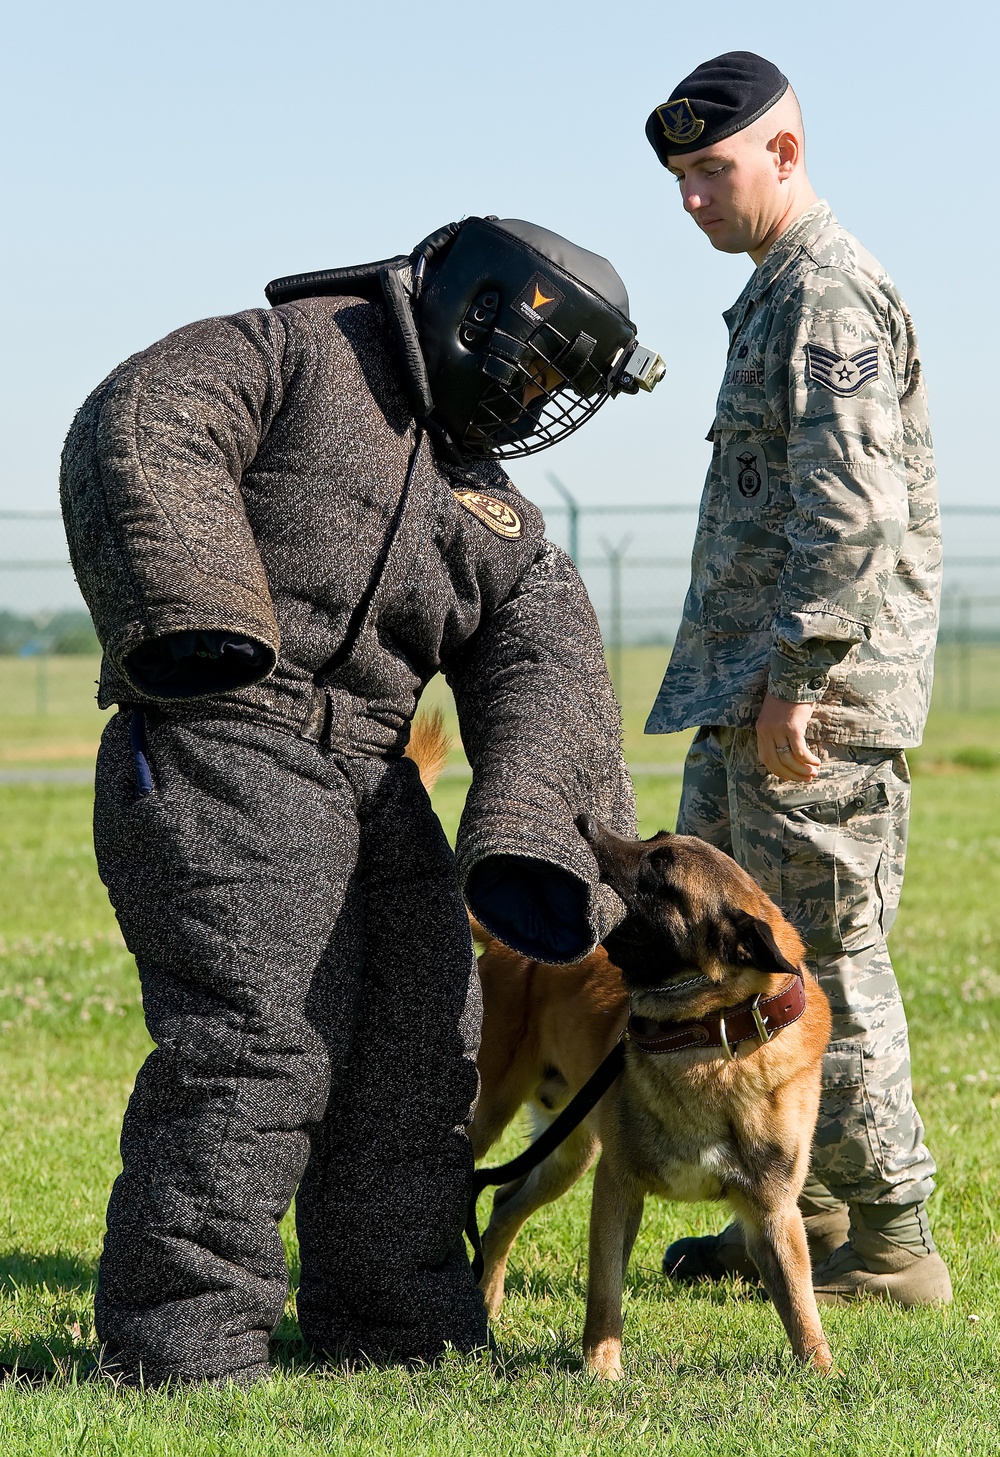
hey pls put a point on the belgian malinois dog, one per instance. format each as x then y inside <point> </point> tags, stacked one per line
<point>725,1031</point>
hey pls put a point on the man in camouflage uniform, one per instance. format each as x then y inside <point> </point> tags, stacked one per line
<point>804,656</point>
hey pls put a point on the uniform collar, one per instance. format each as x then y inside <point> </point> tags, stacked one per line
<point>801,235</point>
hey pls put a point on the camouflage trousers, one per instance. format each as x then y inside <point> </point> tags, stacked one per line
<point>831,855</point>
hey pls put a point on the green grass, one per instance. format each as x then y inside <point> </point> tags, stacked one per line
<point>67,732</point>
<point>707,1371</point>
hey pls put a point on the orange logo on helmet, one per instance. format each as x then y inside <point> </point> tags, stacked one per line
<point>540,298</point>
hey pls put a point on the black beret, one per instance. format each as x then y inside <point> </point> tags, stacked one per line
<point>719,98</point>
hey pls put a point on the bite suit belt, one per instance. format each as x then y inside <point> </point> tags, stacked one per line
<point>329,716</point>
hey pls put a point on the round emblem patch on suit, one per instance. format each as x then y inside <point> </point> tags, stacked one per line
<point>497,515</point>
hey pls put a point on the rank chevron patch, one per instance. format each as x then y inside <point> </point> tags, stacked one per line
<point>843,374</point>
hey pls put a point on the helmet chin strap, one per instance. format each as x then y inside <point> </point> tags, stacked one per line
<point>394,283</point>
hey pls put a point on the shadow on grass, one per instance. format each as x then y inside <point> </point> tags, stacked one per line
<point>55,1270</point>
<point>58,1356</point>
<point>555,1360</point>
<point>647,1281</point>
<point>39,1362</point>
<point>642,1280</point>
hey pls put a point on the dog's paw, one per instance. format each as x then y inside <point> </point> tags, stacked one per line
<point>605,1360</point>
<point>492,1287</point>
<point>821,1359</point>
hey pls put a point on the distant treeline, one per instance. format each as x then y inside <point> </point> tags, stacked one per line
<point>57,632</point>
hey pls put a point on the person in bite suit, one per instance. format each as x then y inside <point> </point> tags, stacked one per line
<point>285,523</point>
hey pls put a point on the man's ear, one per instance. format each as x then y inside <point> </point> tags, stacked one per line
<point>787,154</point>
<point>756,946</point>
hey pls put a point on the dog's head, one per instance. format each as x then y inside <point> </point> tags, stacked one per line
<point>693,918</point>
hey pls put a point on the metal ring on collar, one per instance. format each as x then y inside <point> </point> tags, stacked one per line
<point>730,1054</point>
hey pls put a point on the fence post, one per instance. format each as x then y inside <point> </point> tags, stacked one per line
<point>615,555</point>
<point>42,680</point>
<point>41,647</point>
<point>964,654</point>
<point>573,512</point>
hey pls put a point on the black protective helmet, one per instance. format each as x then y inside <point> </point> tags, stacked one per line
<point>524,335</point>
<point>508,336</point>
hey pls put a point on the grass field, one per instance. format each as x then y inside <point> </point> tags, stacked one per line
<point>66,733</point>
<point>707,1370</point>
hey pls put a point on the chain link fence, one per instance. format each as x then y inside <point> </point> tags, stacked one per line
<point>634,559</point>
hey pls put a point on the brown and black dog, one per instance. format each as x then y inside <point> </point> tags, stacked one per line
<point>700,945</point>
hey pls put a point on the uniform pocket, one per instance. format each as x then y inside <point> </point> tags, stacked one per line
<point>832,875</point>
<point>739,561</point>
<point>847,1146</point>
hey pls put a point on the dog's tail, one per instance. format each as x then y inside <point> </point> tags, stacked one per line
<point>428,746</point>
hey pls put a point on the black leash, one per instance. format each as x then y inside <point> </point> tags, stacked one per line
<point>557,1132</point>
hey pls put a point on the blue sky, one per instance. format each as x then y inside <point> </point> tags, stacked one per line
<point>162,163</point>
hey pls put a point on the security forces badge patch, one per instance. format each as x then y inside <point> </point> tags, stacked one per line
<point>497,515</point>
<point>680,125</point>
<point>843,374</point>
<point>748,482</point>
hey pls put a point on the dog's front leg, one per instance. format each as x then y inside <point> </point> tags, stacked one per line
<point>776,1239</point>
<point>614,1223</point>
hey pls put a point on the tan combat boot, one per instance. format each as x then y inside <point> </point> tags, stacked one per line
<point>889,1255</point>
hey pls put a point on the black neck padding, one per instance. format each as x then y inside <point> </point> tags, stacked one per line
<point>361,281</point>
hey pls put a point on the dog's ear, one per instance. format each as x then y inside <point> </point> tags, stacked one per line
<point>756,946</point>
<point>648,878</point>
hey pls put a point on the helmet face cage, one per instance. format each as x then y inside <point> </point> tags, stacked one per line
<point>519,351</point>
<point>536,402</point>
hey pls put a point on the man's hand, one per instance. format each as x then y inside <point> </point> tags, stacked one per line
<point>781,739</point>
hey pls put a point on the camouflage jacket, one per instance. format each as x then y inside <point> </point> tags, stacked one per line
<point>260,476</point>
<point>817,559</point>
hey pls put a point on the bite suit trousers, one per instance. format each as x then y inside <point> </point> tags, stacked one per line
<point>309,983</point>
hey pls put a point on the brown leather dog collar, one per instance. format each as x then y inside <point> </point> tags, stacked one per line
<point>756,1019</point>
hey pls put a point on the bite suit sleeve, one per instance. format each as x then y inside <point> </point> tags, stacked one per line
<point>157,528</point>
<point>542,731</point>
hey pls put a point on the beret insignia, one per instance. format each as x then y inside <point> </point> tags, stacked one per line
<point>680,125</point>
<point>842,374</point>
<point>497,515</point>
